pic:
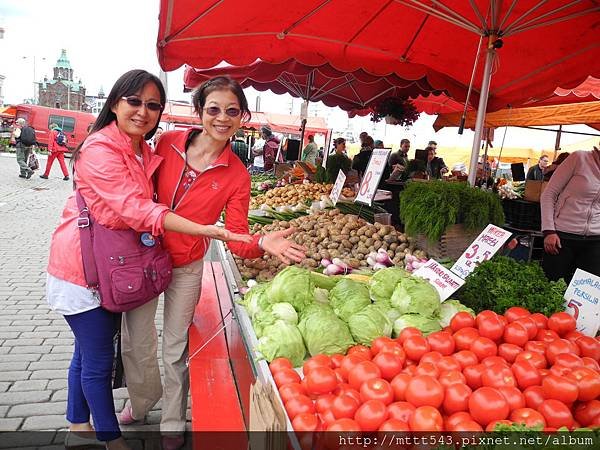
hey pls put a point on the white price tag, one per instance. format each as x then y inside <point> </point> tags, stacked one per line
<point>582,300</point>
<point>370,181</point>
<point>337,187</point>
<point>483,248</point>
<point>445,282</point>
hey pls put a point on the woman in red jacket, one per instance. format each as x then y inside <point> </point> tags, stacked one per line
<point>55,151</point>
<point>199,178</point>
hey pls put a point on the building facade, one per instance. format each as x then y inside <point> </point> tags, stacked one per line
<point>62,91</point>
<point>95,103</point>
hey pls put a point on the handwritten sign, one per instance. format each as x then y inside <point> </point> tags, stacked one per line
<point>372,175</point>
<point>483,248</point>
<point>582,301</point>
<point>337,187</point>
<point>443,280</point>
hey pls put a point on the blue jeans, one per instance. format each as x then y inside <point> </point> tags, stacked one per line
<point>90,372</point>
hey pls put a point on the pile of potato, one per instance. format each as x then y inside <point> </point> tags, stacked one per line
<point>331,234</point>
<point>292,194</point>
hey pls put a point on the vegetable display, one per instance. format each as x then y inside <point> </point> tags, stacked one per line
<point>292,194</point>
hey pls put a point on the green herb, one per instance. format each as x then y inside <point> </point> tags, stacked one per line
<point>502,282</point>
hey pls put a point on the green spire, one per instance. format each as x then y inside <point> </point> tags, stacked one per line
<point>63,61</point>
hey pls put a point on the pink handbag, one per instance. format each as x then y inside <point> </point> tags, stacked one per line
<point>125,267</point>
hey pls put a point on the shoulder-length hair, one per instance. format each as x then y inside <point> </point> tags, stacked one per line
<point>223,83</point>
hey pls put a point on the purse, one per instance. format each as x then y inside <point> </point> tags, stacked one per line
<point>33,162</point>
<point>125,267</point>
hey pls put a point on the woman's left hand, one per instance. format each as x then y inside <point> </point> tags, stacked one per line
<point>287,251</point>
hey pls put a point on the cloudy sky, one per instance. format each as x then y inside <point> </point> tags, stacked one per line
<point>106,38</point>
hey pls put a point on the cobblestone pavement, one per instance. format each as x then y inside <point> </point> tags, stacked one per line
<point>35,343</point>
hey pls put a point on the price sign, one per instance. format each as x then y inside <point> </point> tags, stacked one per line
<point>483,248</point>
<point>337,187</point>
<point>443,280</point>
<point>582,300</point>
<point>372,175</point>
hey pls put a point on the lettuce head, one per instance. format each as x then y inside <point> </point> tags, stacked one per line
<point>282,339</point>
<point>384,282</point>
<point>324,332</point>
<point>348,297</point>
<point>414,295</point>
<point>369,323</point>
<point>256,299</point>
<point>449,308</point>
<point>292,285</point>
<point>426,324</point>
<point>273,313</point>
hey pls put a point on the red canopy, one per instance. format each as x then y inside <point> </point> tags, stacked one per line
<point>350,91</point>
<point>542,44</point>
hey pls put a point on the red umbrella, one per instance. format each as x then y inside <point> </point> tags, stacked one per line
<point>530,46</point>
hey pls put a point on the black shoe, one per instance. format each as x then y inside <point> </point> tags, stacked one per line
<point>28,176</point>
<point>66,178</point>
<point>22,176</point>
<point>45,177</point>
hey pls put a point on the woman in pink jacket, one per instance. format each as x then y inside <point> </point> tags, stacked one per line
<point>55,151</point>
<point>113,172</point>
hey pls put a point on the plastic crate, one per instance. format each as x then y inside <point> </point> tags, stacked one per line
<point>522,214</point>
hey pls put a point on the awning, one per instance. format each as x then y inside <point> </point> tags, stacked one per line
<point>8,112</point>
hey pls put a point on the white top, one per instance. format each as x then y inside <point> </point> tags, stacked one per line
<point>68,298</point>
<point>259,161</point>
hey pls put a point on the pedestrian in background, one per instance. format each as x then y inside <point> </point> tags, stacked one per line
<point>338,161</point>
<point>239,147</point>
<point>57,146</point>
<point>25,139</point>
<point>311,151</point>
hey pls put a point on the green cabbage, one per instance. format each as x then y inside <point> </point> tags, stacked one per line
<point>322,296</point>
<point>323,331</point>
<point>282,339</point>
<point>256,299</point>
<point>426,324</point>
<point>273,313</point>
<point>348,297</point>
<point>292,285</point>
<point>449,308</point>
<point>384,282</point>
<point>369,323</point>
<point>414,295</point>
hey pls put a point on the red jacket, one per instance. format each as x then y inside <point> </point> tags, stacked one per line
<point>224,185</point>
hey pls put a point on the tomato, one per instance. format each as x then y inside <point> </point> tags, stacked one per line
<point>448,363</point>
<point>526,374</point>
<point>467,425</point>
<point>457,398</point>
<point>556,413</point>
<point>305,422</point>
<point>487,404</point>
<point>568,360</point>
<point>483,347</point>
<point>399,384</point>
<point>379,342</point>
<point>394,425</point>
<point>285,376</point>
<point>516,333</point>
<point>324,402</point>
<point>491,328</point>
<point>361,350</point>
<point>515,313</point>
<point>587,381</point>
<point>465,337</point>
<point>559,370</point>
<point>540,320</point>
<point>377,389</point>
<point>513,396</point>
<point>280,363</point>
<point>427,368</point>
<point>451,377</point>
<point>431,357</point>
<point>298,405</point>
<point>344,406</point>
<point>509,351</point>
<point>491,427</point>
<point>350,361</point>
<point>556,348</point>
<point>363,371</point>
<point>394,348</point>
<point>441,341</point>
<point>426,418</point>
<point>590,363</point>
<point>473,375</point>
<point>497,375</point>
<point>461,320</point>
<point>410,369</point>
<point>452,420</point>
<point>536,346</point>
<point>533,396</point>
<point>585,413</point>
<point>424,390</point>
<point>407,333</point>
<point>538,360</point>
<point>402,411</point>
<point>465,358</point>
<point>291,390</point>
<point>528,416</point>
<point>390,364</point>
<point>485,314</point>
<point>321,380</point>
<point>371,414</point>
<point>339,375</point>
<point>494,361</point>
<point>336,360</point>
<point>415,347</point>
<point>529,325</point>
<point>343,426</point>
<point>573,336</point>
<point>561,323</point>
<point>346,389</point>
<point>546,336</point>
<point>589,347</point>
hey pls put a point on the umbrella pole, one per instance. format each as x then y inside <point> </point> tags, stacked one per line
<point>557,142</point>
<point>483,98</point>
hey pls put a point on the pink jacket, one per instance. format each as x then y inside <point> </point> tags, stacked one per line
<point>571,201</point>
<point>117,190</point>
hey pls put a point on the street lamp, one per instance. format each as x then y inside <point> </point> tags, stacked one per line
<point>34,75</point>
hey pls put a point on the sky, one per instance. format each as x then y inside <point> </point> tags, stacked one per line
<point>105,39</point>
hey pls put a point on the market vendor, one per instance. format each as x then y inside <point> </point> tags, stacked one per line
<point>199,177</point>
<point>436,167</point>
<point>339,160</point>
<point>400,158</point>
<point>537,172</point>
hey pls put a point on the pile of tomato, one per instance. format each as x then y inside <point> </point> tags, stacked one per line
<point>480,371</point>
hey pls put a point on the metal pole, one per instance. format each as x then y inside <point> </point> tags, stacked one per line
<point>557,142</point>
<point>481,109</point>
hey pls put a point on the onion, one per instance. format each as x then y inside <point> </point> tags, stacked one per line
<point>372,255</point>
<point>417,265</point>
<point>325,262</point>
<point>333,269</point>
<point>244,290</point>
<point>384,258</point>
<point>379,266</point>
<point>251,283</point>
<point>371,261</point>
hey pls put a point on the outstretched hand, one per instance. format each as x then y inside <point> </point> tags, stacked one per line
<point>287,251</point>
<point>222,234</point>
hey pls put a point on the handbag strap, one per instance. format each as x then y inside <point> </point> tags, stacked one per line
<point>84,223</point>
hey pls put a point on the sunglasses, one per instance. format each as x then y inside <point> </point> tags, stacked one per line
<point>137,102</point>
<point>216,111</point>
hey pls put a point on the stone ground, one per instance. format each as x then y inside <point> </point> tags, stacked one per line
<point>35,343</point>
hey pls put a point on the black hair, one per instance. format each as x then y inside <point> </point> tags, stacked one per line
<point>128,84</point>
<point>223,83</point>
<point>404,140</point>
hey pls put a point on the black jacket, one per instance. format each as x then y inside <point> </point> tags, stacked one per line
<point>434,168</point>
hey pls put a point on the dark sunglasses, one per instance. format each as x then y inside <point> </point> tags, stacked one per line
<point>216,111</point>
<point>137,102</point>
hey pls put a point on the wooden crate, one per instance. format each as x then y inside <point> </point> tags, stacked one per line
<point>451,245</point>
